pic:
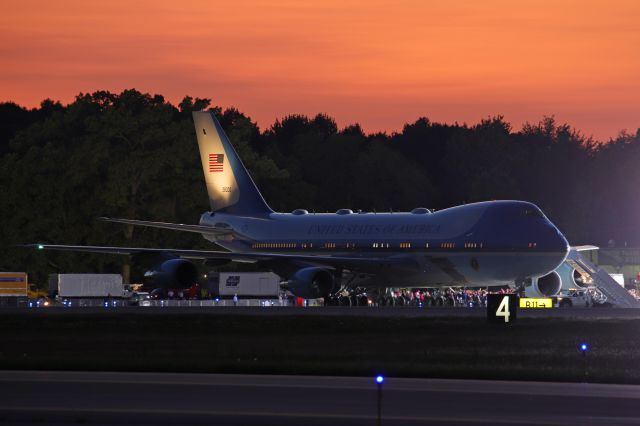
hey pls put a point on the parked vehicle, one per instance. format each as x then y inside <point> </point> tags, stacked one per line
<point>579,298</point>
<point>140,298</point>
<point>244,284</point>
<point>86,285</point>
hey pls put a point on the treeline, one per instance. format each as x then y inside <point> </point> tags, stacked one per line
<point>134,155</point>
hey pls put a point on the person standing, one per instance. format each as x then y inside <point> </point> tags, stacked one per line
<point>235,299</point>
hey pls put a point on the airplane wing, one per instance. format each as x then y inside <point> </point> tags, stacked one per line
<point>252,257</point>
<point>218,229</point>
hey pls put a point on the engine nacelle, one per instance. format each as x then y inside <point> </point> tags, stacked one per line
<point>173,273</point>
<point>579,280</point>
<point>311,283</point>
<point>545,286</point>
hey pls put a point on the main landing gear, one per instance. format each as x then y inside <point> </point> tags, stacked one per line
<point>346,300</point>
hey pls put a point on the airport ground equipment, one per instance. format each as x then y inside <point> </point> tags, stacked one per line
<point>577,272</point>
<point>86,285</point>
<point>244,284</point>
<point>139,298</point>
<point>579,298</point>
<point>614,292</point>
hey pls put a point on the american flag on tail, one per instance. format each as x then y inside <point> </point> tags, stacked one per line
<point>216,162</point>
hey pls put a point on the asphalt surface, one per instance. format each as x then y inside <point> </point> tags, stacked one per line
<point>66,398</point>
<point>405,312</point>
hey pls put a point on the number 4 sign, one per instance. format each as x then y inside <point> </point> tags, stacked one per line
<point>502,308</point>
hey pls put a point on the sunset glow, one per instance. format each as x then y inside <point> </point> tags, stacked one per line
<point>378,63</point>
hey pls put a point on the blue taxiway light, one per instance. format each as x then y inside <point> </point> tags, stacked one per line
<point>584,347</point>
<point>379,380</point>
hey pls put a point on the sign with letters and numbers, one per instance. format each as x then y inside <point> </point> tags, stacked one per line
<point>536,303</point>
<point>502,308</point>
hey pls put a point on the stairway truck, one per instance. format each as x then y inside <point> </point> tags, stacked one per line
<point>86,285</point>
<point>619,278</point>
<point>244,284</point>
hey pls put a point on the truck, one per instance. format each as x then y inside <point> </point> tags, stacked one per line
<point>86,285</point>
<point>574,297</point>
<point>244,284</point>
<point>13,284</point>
<point>14,287</point>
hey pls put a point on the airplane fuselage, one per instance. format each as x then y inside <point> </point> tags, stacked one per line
<point>487,243</point>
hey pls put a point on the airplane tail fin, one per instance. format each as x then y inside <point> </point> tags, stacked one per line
<point>229,185</point>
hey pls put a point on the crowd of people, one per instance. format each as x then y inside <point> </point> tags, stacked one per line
<point>459,297</point>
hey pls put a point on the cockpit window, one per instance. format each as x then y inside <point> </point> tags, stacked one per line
<point>530,211</point>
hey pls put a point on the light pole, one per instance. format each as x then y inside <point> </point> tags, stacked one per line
<point>584,348</point>
<point>379,382</point>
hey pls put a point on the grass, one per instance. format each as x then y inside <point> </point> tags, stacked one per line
<point>470,348</point>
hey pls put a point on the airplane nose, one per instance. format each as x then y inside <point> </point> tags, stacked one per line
<point>555,241</point>
<point>561,242</point>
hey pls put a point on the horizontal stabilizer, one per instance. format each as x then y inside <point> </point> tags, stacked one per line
<point>200,229</point>
<point>584,248</point>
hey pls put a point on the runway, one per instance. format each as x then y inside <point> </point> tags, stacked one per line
<point>63,398</point>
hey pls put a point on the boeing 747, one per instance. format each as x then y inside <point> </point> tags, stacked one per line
<point>491,243</point>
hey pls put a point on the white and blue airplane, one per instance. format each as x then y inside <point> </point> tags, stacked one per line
<point>493,243</point>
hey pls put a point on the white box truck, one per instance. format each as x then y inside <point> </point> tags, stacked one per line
<point>244,284</point>
<point>86,285</point>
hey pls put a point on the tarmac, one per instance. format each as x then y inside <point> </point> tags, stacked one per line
<point>69,398</point>
<point>403,312</point>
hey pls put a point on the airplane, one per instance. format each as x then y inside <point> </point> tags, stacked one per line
<point>323,255</point>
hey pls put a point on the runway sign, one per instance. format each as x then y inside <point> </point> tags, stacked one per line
<point>502,308</point>
<point>529,302</point>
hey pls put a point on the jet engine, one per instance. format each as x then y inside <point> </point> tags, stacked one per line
<point>565,277</point>
<point>580,280</point>
<point>311,283</point>
<point>173,273</point>
<point>548,285</point>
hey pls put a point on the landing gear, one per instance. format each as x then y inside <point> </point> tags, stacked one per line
<point>344,301</point>
<point>331,301</point>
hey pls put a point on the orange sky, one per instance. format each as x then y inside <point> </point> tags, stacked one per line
<point>379,63</point>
